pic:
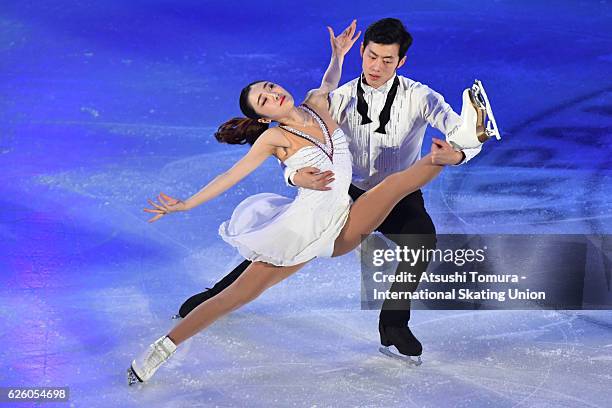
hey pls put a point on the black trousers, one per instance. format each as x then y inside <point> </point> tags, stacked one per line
<point>407,217</point>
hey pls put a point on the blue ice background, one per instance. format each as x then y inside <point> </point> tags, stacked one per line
<point>105,103</point>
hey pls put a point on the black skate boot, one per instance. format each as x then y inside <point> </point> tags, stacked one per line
<point>199,298</point>
<point>408,346</point>
<point>193,302</point>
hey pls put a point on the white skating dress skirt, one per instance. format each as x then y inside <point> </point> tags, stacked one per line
<point>283,231</point>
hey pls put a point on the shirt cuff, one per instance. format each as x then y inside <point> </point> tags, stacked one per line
<point>462,158</point>
<point>470,154</point>
<point>290,178</point>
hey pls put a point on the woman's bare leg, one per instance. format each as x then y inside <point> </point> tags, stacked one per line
<point>371,209</point>
<point>258,277</point>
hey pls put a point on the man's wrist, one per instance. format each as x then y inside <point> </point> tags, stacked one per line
<point>291,178</point>
<point>462,159</point>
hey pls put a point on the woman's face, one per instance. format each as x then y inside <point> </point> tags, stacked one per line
<point>269,100</point>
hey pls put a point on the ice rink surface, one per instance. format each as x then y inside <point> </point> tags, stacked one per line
<point>105,104</point>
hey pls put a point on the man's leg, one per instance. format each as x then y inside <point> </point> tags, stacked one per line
<point>408,217</point>
<point>199,298</point>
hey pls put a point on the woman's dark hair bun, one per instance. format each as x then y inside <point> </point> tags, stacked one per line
<point>240,131</point>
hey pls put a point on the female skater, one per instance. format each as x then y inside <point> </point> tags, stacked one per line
<point>279,234</point>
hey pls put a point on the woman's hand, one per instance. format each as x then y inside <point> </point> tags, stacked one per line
<point>343,43</point>
<point>165,206</point>
<point>340,46</point>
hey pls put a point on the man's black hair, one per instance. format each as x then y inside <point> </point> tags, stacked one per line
<point>389,31</point>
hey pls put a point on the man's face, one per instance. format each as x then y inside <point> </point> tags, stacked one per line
<point>379,62</point>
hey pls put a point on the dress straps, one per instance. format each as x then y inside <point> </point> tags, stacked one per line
<point>328,147</point>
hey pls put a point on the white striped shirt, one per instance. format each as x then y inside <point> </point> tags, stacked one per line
<point>377,155</point>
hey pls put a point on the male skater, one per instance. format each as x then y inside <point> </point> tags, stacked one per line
<point>384,117</point>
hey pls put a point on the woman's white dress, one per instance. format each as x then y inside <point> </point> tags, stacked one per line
<point>283,231</point>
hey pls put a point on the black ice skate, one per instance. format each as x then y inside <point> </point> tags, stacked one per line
<point>408,346</point>
<point>193,302</point>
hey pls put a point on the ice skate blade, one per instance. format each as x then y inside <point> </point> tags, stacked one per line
<point>177,317</point>
<point>132,377</point>
<point>492,129</point>
<point>481,114</point>
<point>412,360</point>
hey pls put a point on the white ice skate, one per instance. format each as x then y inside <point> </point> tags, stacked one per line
<point>143,368</point>
<point>478,123</point>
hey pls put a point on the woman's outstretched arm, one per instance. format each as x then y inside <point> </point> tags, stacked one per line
<point>263,147</point>
<point>319,97</point>
<point>340,45</point>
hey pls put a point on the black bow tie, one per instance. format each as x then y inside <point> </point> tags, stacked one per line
<point>385,114</point>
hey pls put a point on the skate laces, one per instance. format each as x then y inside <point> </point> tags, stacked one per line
<point>158,354</point>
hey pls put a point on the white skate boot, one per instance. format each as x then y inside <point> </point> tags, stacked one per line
<point>147,364</point>
<point>476,110</point>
